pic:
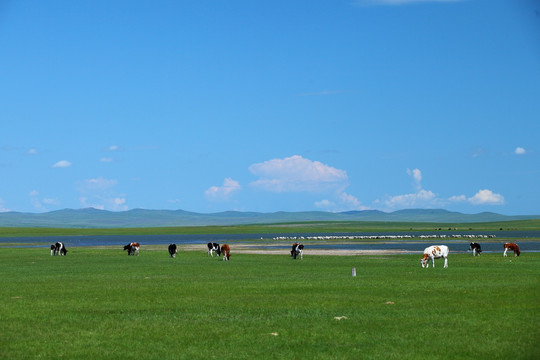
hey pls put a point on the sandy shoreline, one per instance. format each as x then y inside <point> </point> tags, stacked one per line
<point>256,249</point>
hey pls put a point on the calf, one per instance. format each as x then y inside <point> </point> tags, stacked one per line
<point>435,252</point>
<point>511,246</point>
<point>132,248</point>
<point>214,247</point>
<point>475,248</point>
<point>58,248</point>
<point>226,251</point>
<point>297,249</point>
<point>173,250</point>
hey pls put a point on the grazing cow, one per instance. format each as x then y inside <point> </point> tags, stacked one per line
<point>297,249</point>
<point>132,248</point>
<point>226,251</point>
<point>435,252</point>
<point>475,248</point>
<point>173,250</point>
<point>58,249</point>
<point>214,247</point>
<point>511,246</point>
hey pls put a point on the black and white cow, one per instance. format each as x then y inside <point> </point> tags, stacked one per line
<point>132,248</point>
<point>475,248</point>
<point>173,250</point>
<point>58,249</point>
<point>297,249</point>
<point>214,247</point>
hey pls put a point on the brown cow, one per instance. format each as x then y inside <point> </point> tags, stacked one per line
<point>511,246</point>
<point>226,251</point>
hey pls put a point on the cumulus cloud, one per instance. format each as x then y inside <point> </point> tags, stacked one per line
<point>422,198</point>
<point>301,175</point>
<point>223,192</point>
<point>342,202</point>
<point>62,164</point>
<point>349,201</point>
<point>457,198</point>
<point>486,197</point>
<point>520,151</point>
<point>297,174</point>
<point>417,177</point>
<point>427,198</point>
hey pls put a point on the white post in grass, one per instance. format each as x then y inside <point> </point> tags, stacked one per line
<point>353,271</point>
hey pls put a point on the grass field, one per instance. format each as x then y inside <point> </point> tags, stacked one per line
<point>102,304</point>
<point>284,228</point>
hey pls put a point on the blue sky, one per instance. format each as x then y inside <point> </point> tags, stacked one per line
<point>270,106</point>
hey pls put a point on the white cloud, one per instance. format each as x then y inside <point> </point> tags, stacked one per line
<point>36,202</point>
<point>520,151</point>
<point>423,198</point>
<point>50,201</point>
<point>325,204</point>
<point>486,197</point>
<point>98,184</point>
<point>427,198</point>
<point>223,192</point>
<point>119,201</point>
<point>62,164</point>
<point>296,174</point>
<point>417,177</point>
<point>85,204</point>
<point>32,151</point>
<point>113,147</point>
<point>100,193</point>
<point>2,208</point>
<point>342,202</point>
<point>457,198</point>
<point>106,159</point>
<point>39,204</point>
<point>350,201</point>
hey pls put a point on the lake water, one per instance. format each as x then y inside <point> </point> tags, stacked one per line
<point>525,239</point>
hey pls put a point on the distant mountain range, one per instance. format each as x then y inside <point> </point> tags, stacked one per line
<point>93,218</point>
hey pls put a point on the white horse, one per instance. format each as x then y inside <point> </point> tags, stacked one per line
<point>435,252</point>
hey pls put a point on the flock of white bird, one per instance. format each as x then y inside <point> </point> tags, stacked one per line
<point>382,237</point>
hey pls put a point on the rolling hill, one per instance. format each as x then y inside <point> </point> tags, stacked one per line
<point>94,218</point>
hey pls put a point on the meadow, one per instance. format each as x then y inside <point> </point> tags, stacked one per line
<point>282,228</point>
<point>101,304</point>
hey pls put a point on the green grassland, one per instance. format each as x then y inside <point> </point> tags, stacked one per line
<point>101,304</point>
<point>303,227</point>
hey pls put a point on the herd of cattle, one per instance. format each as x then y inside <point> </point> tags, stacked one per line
<point>441,251</point>
<point>430,253</point>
